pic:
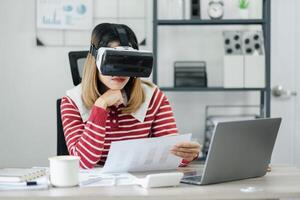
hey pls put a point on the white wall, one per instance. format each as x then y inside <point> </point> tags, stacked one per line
<point>32,78</point>
<point>297,88</point>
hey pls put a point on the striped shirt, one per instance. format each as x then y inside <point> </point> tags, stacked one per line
<point>91,139</point>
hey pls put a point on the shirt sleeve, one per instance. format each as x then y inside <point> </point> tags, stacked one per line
<point>85,140</point>
<point>164,122</point>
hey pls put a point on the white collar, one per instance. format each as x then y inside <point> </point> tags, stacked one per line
<point>76,92</point>
<point>140,114</point>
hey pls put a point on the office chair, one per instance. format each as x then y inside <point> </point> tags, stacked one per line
<point>61,143</point>
<point>77,59</point>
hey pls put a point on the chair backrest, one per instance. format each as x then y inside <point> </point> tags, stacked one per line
<point>61,143</point>
<point>77,59</point>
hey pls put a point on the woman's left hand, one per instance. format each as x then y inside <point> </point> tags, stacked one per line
<point>186,150</point>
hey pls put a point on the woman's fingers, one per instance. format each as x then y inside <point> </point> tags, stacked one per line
<point>186,150</point>
<point>119,102</point>
<point>186,156</point>
<point>188,145</point>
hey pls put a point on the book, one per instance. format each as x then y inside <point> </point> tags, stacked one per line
<point>20,174</point>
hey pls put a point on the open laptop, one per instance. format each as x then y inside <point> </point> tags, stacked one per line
<point>238,150</point>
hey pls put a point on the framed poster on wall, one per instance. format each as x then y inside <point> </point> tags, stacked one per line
<point>56,28</point>
<point>64,14</point>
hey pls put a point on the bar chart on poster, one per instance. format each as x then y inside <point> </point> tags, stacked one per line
<point>70,22</point>
<point>63,14</point>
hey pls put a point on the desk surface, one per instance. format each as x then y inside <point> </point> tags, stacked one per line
<point>281,183</point>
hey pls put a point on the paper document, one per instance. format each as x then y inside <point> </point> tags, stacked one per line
<point>143,154</point>
<point>90,178</point>
<point>94,177</point>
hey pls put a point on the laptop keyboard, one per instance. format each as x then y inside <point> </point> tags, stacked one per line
<point>193,178</point>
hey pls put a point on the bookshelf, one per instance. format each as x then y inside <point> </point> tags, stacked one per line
<point>265,93</point>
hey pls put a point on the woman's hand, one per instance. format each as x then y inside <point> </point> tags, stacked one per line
<point>109,98</point>
<point>186,150</point>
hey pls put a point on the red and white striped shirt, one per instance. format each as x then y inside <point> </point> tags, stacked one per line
<point>91,139</point>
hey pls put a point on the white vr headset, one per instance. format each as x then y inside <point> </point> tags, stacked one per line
<point>123,60</point>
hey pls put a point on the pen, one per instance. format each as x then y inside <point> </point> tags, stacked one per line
<point>27,183</point>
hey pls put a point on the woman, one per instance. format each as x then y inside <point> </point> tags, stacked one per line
<point>103,109</point>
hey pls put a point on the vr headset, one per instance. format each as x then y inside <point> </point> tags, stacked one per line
<point>123,60</point>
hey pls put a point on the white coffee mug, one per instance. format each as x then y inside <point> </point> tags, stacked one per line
<point>64,171</point>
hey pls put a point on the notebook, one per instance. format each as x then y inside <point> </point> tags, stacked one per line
<point>20,174</point>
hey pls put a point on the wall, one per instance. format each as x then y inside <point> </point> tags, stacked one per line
<point>297,88</point>
<point>32,78</point>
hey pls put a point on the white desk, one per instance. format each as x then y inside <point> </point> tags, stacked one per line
<point>281,183</point>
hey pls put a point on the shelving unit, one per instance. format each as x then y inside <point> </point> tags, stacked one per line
<point>211,22</point>
<point>209,89</point>
<point>265,93</point>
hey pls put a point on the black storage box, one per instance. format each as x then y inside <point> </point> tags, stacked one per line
<point>190,74</point>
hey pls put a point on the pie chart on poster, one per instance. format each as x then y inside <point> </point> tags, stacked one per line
<point>81,9</point>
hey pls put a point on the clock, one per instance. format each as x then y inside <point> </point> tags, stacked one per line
<point>216,9</point>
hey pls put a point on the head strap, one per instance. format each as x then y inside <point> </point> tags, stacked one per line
<point>122,35</point>
<point>93,51</point>
<point>121,32</point>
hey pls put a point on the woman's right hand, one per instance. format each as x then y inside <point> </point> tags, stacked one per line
<point>109,98</point>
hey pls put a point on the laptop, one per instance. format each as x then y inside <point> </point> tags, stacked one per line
<point>238,150</point>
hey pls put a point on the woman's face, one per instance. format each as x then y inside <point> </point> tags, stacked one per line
<point>114,82</point>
